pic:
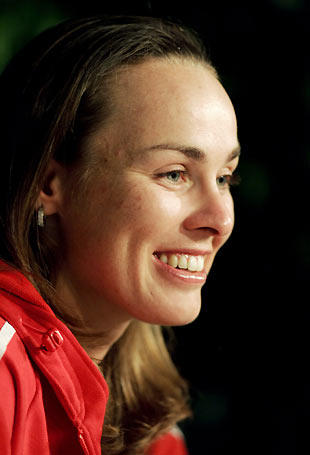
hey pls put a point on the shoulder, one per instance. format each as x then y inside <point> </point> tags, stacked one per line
<point>17,381</point>
<point>171,443</point>
<point>17,374</point>
<point>14,360</point>
<point>7,332</point>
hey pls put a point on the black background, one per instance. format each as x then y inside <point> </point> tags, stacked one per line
<point>247,355</point>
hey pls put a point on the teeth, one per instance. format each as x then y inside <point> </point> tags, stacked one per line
<point>173,260</point>
<point>200,263</point>
<point>192,264</point>
<point>184,261</point>
<point>164,258</point>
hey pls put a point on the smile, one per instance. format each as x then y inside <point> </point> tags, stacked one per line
<point>182,261</point>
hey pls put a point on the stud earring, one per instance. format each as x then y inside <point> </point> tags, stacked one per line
<point>41,216</point>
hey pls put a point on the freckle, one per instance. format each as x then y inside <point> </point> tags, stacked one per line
<point>120,204</point>
<point>118,153</point>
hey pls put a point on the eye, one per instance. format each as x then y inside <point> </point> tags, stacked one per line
<point>173,176</point>
<point>228,180</point>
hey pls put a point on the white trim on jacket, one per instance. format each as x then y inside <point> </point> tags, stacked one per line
<point>6,334</point>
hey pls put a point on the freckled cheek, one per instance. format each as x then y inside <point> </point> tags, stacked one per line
<point>169,205</point>
<point>156,212</point>
<point>150,202</point>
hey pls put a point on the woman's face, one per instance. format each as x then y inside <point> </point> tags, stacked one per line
<point>141,242</point>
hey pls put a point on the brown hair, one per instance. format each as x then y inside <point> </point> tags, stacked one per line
<point>53,94</point>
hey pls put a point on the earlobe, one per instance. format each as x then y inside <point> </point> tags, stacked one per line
<point>51,193</point>
<point>41,216</point>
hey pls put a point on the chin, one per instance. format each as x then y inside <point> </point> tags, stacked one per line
<point>183,321</point>
<point>180,315</point>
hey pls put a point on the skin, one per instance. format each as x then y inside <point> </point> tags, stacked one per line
<point>134,208</point>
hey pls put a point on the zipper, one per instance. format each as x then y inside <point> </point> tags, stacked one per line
<point>82,442</point>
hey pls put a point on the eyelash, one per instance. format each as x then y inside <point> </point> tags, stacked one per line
<point>170,173</point>
<point>229,179</point>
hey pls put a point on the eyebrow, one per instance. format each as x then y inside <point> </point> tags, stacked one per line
<point>192,152</point>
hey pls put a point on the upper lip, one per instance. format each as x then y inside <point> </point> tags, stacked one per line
<point>189,251</point>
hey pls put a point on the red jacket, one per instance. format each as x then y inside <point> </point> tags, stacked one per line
<point>53,397</point>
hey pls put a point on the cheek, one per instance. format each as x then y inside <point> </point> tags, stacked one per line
<point>147,202</point>
<point>169,205</point>
<point>156,212</point>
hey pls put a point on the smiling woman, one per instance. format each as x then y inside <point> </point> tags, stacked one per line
<point>120,150</point>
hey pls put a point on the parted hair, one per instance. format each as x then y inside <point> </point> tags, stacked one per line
<point>53,94</point>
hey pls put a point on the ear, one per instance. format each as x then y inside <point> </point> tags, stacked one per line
<point>51,195</point>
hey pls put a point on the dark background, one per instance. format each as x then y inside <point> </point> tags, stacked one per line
<point>247,355</point>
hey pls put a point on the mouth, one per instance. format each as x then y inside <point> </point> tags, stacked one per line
<point>189,262</point>
<point>179,267</point>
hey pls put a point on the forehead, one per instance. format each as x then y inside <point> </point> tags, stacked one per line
<point>169,101</point>
<point>158,82</point>
<point>165,74</point>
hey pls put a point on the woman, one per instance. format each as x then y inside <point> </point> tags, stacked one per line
<point>119,146</point>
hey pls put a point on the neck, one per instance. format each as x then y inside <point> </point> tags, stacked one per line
<point>104,323</point>
<point>97,347</point>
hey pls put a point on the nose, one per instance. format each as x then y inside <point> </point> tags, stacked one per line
<point>214,214</point>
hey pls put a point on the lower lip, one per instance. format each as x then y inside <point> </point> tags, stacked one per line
<point>185,276</point>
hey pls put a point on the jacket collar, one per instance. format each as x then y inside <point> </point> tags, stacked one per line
<point>55,351</point>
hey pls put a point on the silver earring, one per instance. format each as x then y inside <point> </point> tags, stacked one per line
<point>41,216</point>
